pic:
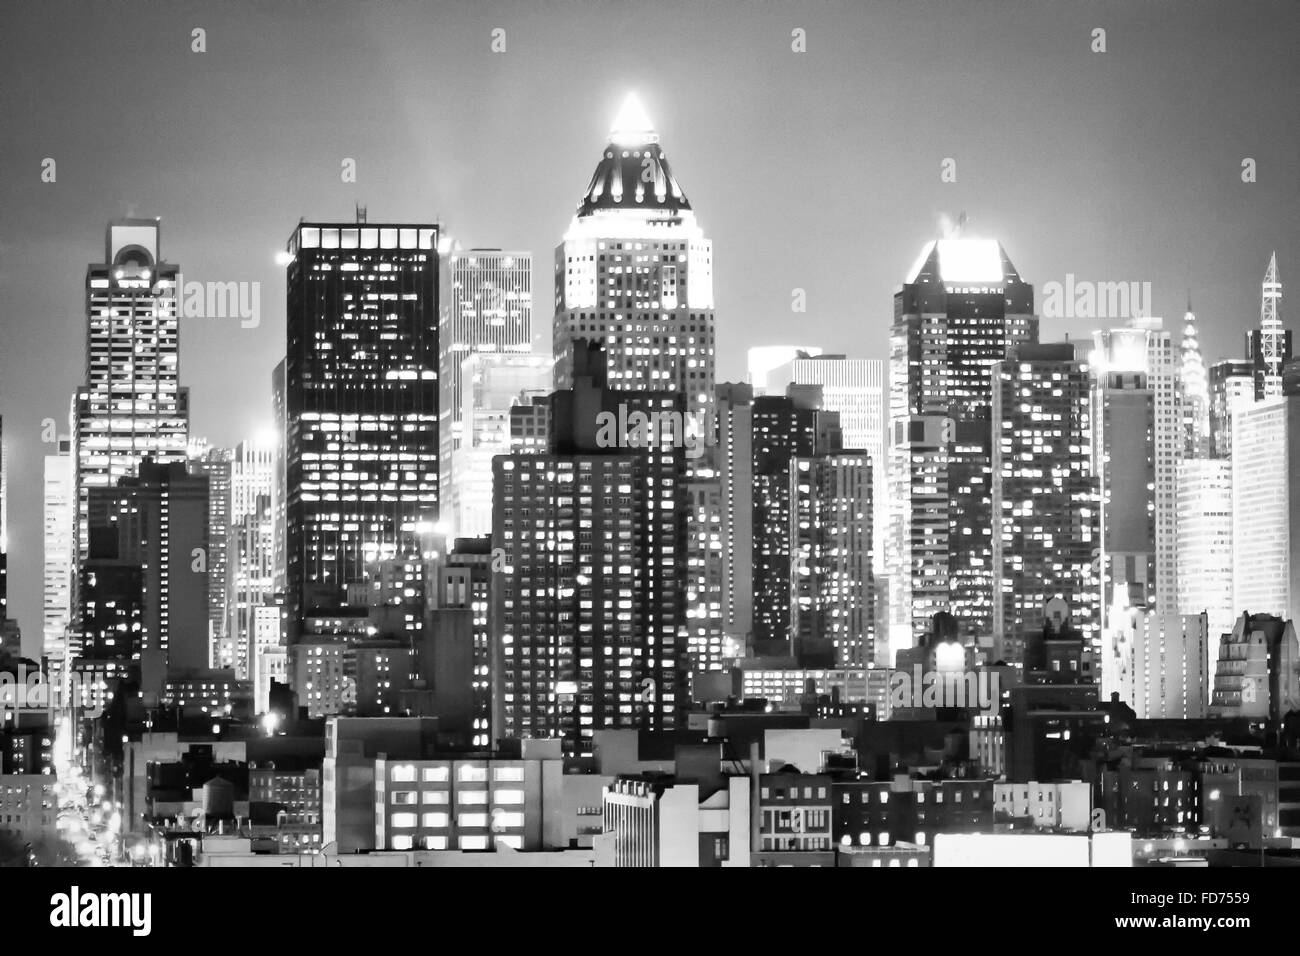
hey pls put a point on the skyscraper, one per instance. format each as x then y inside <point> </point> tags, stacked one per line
<point>855,388</point>
<point>153,528</point>
<point>491,384</point>
<point>1205,545</point>
<point>1232,386</point>
<point>635,272</point>
<point>1046,495</point>
<point>215,464</point>
<point>59,513</point>
<point>589,611</point>
<point>1145,346</point>
<point>361,404</point>
<point>962,309</point>
<point>1269,346</point>
<point>1124,454</point>
<point>785,428</point>
<point>489,310</point>
<point>735,476</point>
<point>253,614</point>
<point>1195,391</point>
<point>131,405</point>
<point>1265,516</point>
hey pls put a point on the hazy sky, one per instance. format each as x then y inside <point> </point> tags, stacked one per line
<point>817,170</point>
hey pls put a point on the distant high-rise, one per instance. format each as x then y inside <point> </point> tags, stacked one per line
<point>635,273</point>
<point>785,428</point>
<point>489,310</point>
<point>491,384</point>
<point>1195,391</point>
<point>856,389</point>
<point>1145,346</point>
<point>1124,456</point>
<point>735,477</point>
<point>1046,495</point>
<point>59,514</point>
<point>1171,669</point>
<point>1205,545</point>
<point>1269,346</point>
<point>131,405</point>
<point>253,614</point>
<point>153,528</point>
<point>215,463</point>
<point>962,309</point>
<point>360,404</point>
<point>1266,508</point>
<point>1231,386</point>
<point>589,611</point>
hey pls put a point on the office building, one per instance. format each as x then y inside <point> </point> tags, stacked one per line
<point>1232,386</point>
<point>1265,520</point>
<point>1205,544</point>
<point>361,404</point>
<point>489,311</point>
<point>1046,495</point>
<point>59,508</point>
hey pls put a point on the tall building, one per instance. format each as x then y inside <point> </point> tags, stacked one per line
<point>1145,349</point>
<point>1124,451</point>
<point>253,623</point>
<point>1256,673</point>
<point>215,464</point>
<point>833,607</point>
<point>962,309</point>
<point>132,405</point>
<point>785,428</point>
<point>491,384</point>
<point>489,310</point>
<point>152,529</point>
<point>635,272</point>
<point>1269,346</point>
<point>1205,545</point>
<point>360,404</point>
<point>1265,516</point>
<point>735,477</point>
<point>855,388</point>
<point>59,514</point>
<point>1195,391</point>
<point>1145,346</point>
<point>589,610</point>
<point>1046,495</point>
<point>1232,386</point>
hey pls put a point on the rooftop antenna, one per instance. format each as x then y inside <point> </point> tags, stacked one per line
<point>361,214</point>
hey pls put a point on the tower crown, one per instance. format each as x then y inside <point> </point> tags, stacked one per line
<point>633,174</point>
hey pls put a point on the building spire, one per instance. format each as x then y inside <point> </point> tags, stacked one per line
<point>632,126</point>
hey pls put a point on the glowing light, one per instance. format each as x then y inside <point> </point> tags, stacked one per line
<point>283,257</point>
<point>632,127</point>
<point>977,261</point>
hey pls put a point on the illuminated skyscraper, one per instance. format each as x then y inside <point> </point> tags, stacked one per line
<point>962,309</point>
<point>855,388</point>
<point>1145,346</point>
<point>489,310</point>
<point>491,384</point>
<point>1046,495</point>
<point>1205,545</point>
<point>589,611</point>
<point>253,614</point>
<point>361,404</point>
<point>735,476</point>
<point>59,514</point>
<point>1232,386</point>
<point>1269,346</point>
<point>1266,508</point>
<point>131,405</point>
<point>215,464</point>
<point>1124,422</point>
<point>635,273</point>
<point>1195,391</point>
<point>785,428</point>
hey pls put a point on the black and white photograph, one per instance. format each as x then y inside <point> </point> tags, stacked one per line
<point>648,434</point>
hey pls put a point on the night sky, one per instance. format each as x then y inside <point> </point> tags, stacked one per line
<point>817,170</point>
